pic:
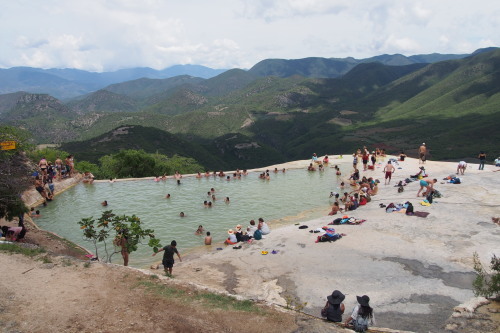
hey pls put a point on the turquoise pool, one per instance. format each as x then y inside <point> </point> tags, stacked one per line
<point>293,196</point>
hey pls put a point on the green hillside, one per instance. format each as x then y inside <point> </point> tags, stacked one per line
<point>144,88</point>
<point>228,152</point>
<point>45,117</point>
<point>104,101</point>
<point>453,105</point>
<point>470,85</point>
<point>149,139</point>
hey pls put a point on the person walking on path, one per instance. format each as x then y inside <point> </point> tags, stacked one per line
<point>422,151</point>
<point>389,170</point>
<point>168,257</point>
<point>482,159</point>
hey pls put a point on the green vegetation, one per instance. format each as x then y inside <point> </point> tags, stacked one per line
<point>487,284</point>
<point>16,248</point>
<point>46,259</point>
<point>14,173</point>
<point>50,154</point>
<point>211,300</point>
<point>124,230</point>
<point>138,163</point>
<point>451,103</point>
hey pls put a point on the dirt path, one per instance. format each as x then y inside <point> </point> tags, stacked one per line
<point>66,295</point>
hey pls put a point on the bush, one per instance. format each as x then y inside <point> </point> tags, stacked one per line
<point>138,163</point>
<point>50,154</point>
<point>85,166</point>
<point>487,284</point>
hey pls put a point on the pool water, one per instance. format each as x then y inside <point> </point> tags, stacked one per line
<point>293,196</point>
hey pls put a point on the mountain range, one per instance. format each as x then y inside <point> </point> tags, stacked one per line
<point>68,83</point>
<point>280,110</point>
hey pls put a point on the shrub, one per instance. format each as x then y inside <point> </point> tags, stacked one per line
<point>487,284</point>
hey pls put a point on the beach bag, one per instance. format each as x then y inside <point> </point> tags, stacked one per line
<point>360,324</point>
<point>257,235</point>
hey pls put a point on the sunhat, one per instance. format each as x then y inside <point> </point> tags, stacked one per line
<point>336,298</point>
<point>238,227</point>
<point>230,231</point>
<point>363,300</point>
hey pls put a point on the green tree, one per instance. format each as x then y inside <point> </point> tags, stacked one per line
<point>129,163</point>
<point>138,163</point>
<point>487,284</point>
<point>14,172</point>
<point>50,154</point>
<point>111,226</point>
<point>84,166</point>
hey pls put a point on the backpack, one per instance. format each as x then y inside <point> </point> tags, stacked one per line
<point>409,209</point>
<point>429,197</point>
<point>360,324</point>
<point>257,235</point>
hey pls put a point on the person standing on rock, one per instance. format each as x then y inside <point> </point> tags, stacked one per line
<point>422,151</point>
<point>482,159</point>
<point>388,170</point>
<point>168,257</point>
<point>59,165</point>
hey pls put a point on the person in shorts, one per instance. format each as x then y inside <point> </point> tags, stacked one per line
<point>389,170</point>
<point>168,256</point>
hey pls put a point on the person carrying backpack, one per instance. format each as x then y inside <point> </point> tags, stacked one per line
<point>362,315</point>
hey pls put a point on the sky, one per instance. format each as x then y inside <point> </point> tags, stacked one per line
<point>107,35</point>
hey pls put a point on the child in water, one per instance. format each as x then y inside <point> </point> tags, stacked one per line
<point>208,239</point>
<point>199,231</point>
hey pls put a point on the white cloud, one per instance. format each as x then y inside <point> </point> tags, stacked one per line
<point>403,45</point>
<point>113,34</point>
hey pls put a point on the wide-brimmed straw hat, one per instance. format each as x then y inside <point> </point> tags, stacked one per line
<point>336,298</point>
<point>363,300</point>
<point>230,231</point>
<point>238,227</point>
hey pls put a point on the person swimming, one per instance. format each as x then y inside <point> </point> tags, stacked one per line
<point>199,231</point>
<point>104,203</point>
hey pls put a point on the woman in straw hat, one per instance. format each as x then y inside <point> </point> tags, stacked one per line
<point>231,239</point>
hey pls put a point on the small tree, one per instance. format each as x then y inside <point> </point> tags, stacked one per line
<point>487,284</point>
<point>113,226</point>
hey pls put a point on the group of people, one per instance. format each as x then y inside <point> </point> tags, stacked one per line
<point>361,194</point>
<point>362,316</point>
<point>44,177</point>
<point>253,231</point>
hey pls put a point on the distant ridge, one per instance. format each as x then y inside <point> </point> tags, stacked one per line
<point>68,83</point>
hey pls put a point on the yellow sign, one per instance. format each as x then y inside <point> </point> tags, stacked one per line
<point>7,145</point>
